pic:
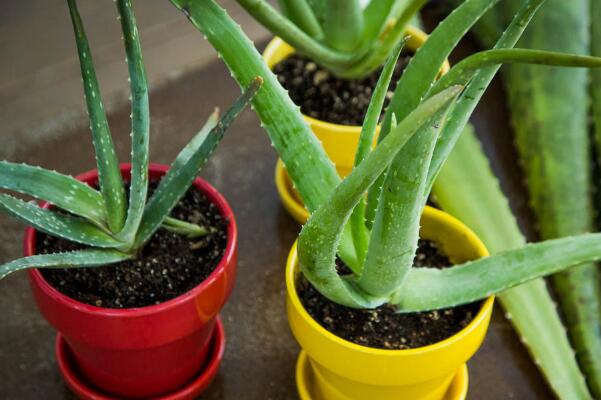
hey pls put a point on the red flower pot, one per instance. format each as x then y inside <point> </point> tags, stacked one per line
<point>146,351</point>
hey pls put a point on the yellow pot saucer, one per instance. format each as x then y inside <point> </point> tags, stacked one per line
<point>305,382</point>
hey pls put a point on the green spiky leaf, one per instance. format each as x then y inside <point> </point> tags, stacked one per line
<point>109,176</point>
<point>57,224</point>
<point>140,125</point>
<point>60,190</point>
<point>177,180</point>
<point>343,24</point>
<point>301,13</point>
<point>79,258</point>
<point>478,279</point>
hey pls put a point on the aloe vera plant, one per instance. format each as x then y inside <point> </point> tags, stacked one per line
<point>420,127</point>
<point>340,35</point>
<point>111,227</point>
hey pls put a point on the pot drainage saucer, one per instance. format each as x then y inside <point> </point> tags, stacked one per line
<point>85,391</point>
<point>305,382</point>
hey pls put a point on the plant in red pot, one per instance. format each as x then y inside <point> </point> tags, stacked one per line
<point>144,322</point>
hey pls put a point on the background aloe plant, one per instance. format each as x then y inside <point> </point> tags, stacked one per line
<point>340,35</point>
<point>553,142</point>
<point>111,226</point>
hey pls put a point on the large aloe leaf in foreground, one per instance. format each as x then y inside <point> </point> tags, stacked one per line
<point>550,118</point>
<point>467,189</point>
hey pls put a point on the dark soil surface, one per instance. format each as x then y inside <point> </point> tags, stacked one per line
<point>383,327</point>
<point>169,264</point>
<point>323,96</point>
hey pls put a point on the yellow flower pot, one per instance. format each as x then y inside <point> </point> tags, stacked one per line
<point>339,141</point>
<point>332,368</point>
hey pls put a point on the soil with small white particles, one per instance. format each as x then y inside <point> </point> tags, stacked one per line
<point>384,327</point>
<point>168,265</point>
<point>323,96</point>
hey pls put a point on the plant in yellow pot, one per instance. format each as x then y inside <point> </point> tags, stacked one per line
<point>381,309</point>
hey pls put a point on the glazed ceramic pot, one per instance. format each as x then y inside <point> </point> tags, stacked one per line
<point>147,351</point>
<point>342,370</point>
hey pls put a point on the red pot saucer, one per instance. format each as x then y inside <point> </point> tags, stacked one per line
<point>86,392</point>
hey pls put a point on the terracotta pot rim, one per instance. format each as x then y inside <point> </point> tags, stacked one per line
<point>229,253</point>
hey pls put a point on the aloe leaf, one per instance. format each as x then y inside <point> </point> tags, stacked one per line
<point>319,9</point>
<point>140,124</point>
<point>56,224</point>
<point>464,71</point>
<point>192,147</point>
<point>380,50</point>
<point>308,165</point>
<point>554,148</point>
<point>596,74</point>
<point>467,189</point>
<point>366,140</point>
<point>109,175</point>
<point>300,12</point>
<point>75,259</point>
<point>486,276</point>
<point>422,72</point>
<point>280,26</point>
<point>60,190</point>
<point>377,16</point>
<point>343,24</point>
<point>465,105</point>
<point>319,237</point>
<point>177,180</point>
<point>188,229</point>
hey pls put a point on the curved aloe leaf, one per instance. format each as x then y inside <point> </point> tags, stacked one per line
<point>188,229</point>
<point>192,147</point>
<point>380,51</point>
<point>343,24</point>
<point>478,279</point>
<point>300,12</point>
<point>286,30</point>
<point>79,258</point>
<point>467,189</point>
<point>60,190</point>
<point>177,180</point>
<point>56,224</point>
<point>109,175</point>
<point>140,125</point>
<point>377,16</point>
<point>318,241</point>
